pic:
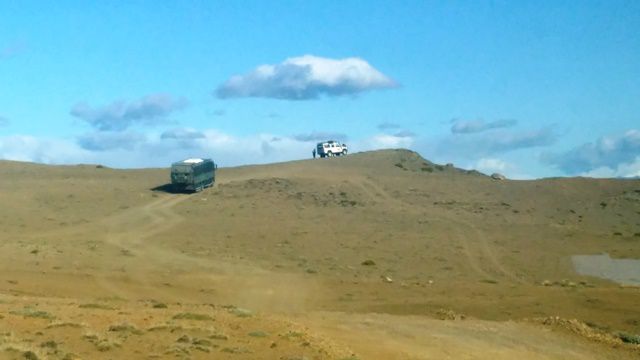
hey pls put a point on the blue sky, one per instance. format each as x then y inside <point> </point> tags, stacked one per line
<point>526,88</point>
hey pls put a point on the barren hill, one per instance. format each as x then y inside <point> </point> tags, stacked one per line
<point>374,255</point>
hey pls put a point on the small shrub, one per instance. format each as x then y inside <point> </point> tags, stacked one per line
<point>96,306</point>
<point>124,328</point>
<point>368,262</point>
<point>489,281</point>
<point>201,342</point>
<point>49,344</point>
<point>629,338</point>
<point>32,313</point>
<point>218,337</point>
<point>30,355</point>
<point>192,316</point>
<point>235,350</point>
<point>63,324</point>
<point>617,233</point>
<point>184,339</point>
<point>292,334</point>
<point>260,334</point>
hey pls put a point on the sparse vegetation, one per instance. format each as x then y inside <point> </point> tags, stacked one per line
<point>489,281</point>
<point>236,350</point>
<point>629,338</point>
<point>49,344</point>
<point>33,313</point>
<point>193,316</point>
<point>30,355</point>
<point>96,306</point>
<point>124,327</point>
<point>63,324</point>
<point>258,333</point>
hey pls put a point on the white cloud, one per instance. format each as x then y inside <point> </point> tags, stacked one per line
<point>320,136</point>
<point>624,170</point>
<point>384,141</point>
<point>306,77</point>
<point>491,165</point>
<point>486,144</point>
<point>615,152</point>
<point>41,150</point>
<point>109,140</point>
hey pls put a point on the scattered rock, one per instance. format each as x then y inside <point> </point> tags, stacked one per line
<point>447,314</point>
<point>368,262</point>
<point>240,312</point>
<point>498,176</point>
<point>386,279</point>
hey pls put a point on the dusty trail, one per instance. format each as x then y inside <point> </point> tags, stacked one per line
<point>481,255</point>
<point>240,283</point>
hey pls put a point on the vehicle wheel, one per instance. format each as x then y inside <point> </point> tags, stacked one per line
<point>344,152</point>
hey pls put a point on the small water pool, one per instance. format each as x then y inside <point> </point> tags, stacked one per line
<point>622,271</point>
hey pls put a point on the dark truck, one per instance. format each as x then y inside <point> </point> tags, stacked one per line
<point>193,175</point>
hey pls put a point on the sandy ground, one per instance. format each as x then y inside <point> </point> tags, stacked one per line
<point>379,255</point>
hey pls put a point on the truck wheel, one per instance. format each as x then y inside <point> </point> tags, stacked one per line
<point>344,152</point>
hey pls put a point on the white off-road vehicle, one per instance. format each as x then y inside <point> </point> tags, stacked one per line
<point>331,148</point>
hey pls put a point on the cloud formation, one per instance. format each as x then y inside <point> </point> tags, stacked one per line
<point>388,126</point>
<point>476,146</point>
<point>128,149</point>
<point>182,134</point>
<point>608,152</point>
<point>320,136</point>
<point>491,165</point>
<point>304,78</point>
<point>405,134</point>
<point>120,115</point>
<point>110,140</point>
<point>476,126</point>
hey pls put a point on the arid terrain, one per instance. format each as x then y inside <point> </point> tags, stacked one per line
<point>377,255</point>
